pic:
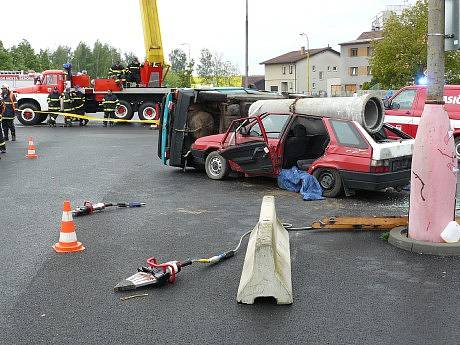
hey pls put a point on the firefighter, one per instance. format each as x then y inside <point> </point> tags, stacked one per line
<point>109,103</point>
<point>9,109</point>
<point>2,141</point>
<point>134,69</point>
<point>54,105</point>
<point>79,104</point>
<point>117,72</point>
<point>68,106</point>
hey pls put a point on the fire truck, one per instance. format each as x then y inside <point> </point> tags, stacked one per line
<point>143,99</point>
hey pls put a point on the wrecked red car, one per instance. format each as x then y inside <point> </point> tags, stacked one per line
<point>339,153</point>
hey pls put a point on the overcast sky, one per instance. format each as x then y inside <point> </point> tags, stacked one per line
<point>274,26</point>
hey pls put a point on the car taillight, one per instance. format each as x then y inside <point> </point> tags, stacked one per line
<point>167,154</point>
<point>380,166</point>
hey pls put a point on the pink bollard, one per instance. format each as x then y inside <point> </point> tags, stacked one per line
<point>433,176</point>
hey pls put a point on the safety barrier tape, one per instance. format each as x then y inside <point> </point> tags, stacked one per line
<point>92,118</point>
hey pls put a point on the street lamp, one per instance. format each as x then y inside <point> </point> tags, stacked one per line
<point>308,62</point>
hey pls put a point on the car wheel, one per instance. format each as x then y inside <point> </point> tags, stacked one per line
<point>457,147</point>
<point>28,116</point>
<point>216,166</point>
<point>330,181</point>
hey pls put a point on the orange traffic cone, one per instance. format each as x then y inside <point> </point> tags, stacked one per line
<point>68,237</point>
<point>31,149</point>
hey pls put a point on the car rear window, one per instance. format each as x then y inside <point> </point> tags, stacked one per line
<point>347,134</point>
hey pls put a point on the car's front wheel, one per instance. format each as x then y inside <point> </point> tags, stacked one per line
<point>457,147</point>
<point>330,181</point>
<point>216,166</point>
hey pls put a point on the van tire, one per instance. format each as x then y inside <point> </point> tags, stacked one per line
<point>330,181</point>
<point>127,109</point>
<point>457,147</point>
<point>216,166</point>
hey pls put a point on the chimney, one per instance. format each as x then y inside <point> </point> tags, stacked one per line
<point>302,50</point>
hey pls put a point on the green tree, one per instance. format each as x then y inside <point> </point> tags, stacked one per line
<point>402,52</point>
<point>178,60</point>
<point>205,68</point>
<point>44,59</point>
<point>60,56</point>
<point>24,57</point>
<point>6,60</point>
<point>128,58</point>
<point>82,58</point>
<point>102,59</point>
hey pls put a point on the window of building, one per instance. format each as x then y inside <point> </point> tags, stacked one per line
<point>284,86</point>
<point>328,68</point>
<point>313,68</point>
<point>369,51</point>
<point>291,85</point>
<point>283,69</point>
<point>353,51</point>
<point>353,70</point>
<point>291,68</point>
<point>274,88</point>
<point>334,69</point>
<point>369,71</point>
<point>313,85</point>
<point>321,75</point>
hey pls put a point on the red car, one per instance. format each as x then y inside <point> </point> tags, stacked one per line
<point>339,153</point>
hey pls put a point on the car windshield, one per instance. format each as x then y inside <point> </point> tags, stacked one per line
<point>273,124</point>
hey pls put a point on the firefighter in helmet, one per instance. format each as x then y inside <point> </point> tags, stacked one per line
<point>79,104</point>
<point>109,103</point>
<point>9,109</point>
<point>134,70</point>
<point>117,72</point>
<point>54,105</point>
<point>68,106</point>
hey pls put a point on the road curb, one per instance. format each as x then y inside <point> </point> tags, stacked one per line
<point>398,238</point>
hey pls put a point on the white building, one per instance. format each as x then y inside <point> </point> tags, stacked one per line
<point>289,72</point>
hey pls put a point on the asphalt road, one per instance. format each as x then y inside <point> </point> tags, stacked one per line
<point>349,288</point>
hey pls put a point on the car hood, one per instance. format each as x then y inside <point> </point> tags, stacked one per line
<point>216,138</point>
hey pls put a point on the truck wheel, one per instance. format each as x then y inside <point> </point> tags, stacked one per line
<point>124,111</point>
<point>216,166</point>
<point>28,116</point>
<point>147,111</point>
<point>457,147</point>
<point>330,181</point>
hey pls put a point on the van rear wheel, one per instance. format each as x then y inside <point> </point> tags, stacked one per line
<point>457,147</point>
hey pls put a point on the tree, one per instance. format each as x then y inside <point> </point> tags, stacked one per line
<point>82,57</point>
<point>103,57</point>
<point>24,57</point>
<point>205,66</point>
<point>178,60</point>
<point>128,58</point>
<point>6,60</point>
<point>44,59</point>
<point>60,56</point>
<point>402,53</point>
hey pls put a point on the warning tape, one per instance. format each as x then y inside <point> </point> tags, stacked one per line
<point>92,118</point>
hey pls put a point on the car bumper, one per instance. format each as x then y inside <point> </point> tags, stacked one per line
<point>372,181</point>
<point>199,157</point>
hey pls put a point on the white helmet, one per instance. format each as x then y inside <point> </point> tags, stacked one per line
<point>5,86</point>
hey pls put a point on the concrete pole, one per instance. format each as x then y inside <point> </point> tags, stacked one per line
<point>434,162</point>
<point>246,63</point>
<point>435,54</point>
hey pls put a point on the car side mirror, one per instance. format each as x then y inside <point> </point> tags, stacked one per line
<point>386,103</point>
<point>395,105</point>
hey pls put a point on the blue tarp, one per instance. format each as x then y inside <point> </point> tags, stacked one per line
<point>299,181</point>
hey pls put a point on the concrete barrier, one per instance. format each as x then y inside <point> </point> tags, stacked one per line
<point>267,265</point>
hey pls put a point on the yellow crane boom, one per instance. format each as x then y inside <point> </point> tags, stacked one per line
<point>152,33</point>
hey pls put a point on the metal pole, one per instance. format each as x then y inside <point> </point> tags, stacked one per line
<point>246,78</point>
<point>308,65</point>
<point>435,53</point>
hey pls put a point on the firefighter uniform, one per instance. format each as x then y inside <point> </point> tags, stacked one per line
<point>109,103</point>
<point>9,101</point>
<point>117,72</point>
<point>134,69</point>
<point>54,105</point>
<point>68,107</point>
<point>79,105</point>
<point>2,141</point>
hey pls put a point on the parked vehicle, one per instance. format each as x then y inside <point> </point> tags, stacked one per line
<point>405,108</point>
<point>339,153</point>
<point>188,114</point>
